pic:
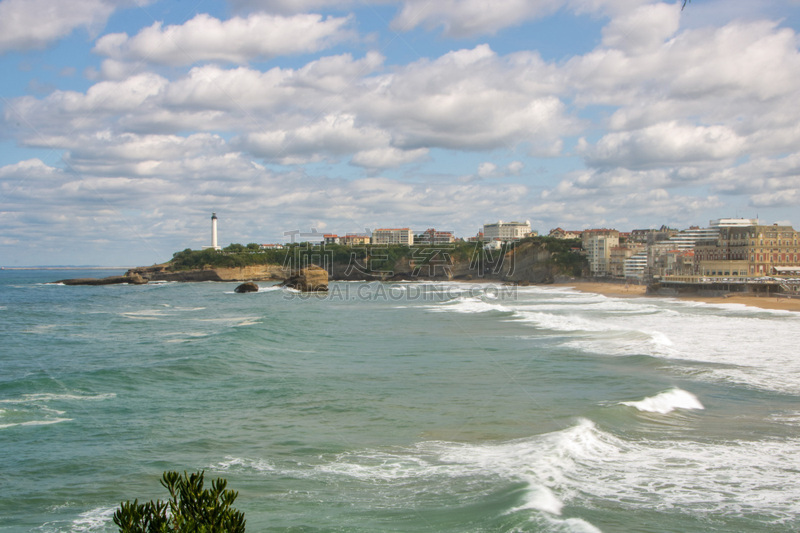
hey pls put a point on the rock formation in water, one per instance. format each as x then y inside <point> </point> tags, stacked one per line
<point>269,272</point>
<point>246,287</point>
<point>311,279</point>
<point>131,278</point>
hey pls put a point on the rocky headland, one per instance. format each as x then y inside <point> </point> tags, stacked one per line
<point>527,262</point>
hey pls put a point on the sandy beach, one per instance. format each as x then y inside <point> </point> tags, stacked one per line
<point>619,290</point>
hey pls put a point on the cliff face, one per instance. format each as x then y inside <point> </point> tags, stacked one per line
<point>528,263</point>
<point>248,273</point>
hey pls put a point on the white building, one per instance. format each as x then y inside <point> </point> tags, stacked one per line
<point>506,231</point>
<point>733,222</point>
<point>393,236</point>
<point>635,266</point>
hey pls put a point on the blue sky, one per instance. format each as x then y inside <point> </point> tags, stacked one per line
<point>125,123</point>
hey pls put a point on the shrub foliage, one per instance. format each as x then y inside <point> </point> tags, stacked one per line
<point>190,508</point>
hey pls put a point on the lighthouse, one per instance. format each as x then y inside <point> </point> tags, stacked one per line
<point>214,245</point>
<point>214,231</point>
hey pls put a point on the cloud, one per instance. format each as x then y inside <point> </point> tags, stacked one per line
<point>456,18</point>
<point>469,99</point>
<point>332,134</point>
<point>387,157</point>
<point>334,106</point>
<point>768,182</point>
<point>643,29</point>
<point>487,169</point>
<point>33,24</point>
<point>237,40</point>
<point>465,18</point>
<point>667,143</point>
<point>299,6</point>
<point>28,24</point>
<point>66,113</point>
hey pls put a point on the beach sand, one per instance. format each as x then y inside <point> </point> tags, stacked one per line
<point>619,290</point>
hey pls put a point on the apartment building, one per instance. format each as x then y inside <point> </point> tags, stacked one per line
<point>597,244</point>
<point>619,255</point>
<point>393,236</point>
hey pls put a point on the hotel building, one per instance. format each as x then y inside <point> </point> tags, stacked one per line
<point>749,251</point>
<point>393,236</point>
<point>506,231</point>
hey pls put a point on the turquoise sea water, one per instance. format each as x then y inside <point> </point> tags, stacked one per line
<point>398,407</point>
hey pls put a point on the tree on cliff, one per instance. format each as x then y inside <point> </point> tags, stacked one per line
<point>190,508</point>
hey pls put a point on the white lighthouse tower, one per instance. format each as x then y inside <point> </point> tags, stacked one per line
<point>214,245</point>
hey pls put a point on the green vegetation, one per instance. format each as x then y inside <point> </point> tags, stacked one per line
<point>190,509</point>
<point>373,259</point>
<point>564,257</point>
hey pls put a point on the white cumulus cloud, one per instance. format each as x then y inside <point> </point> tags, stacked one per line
<point>237,40</point>
<point>30,24</point>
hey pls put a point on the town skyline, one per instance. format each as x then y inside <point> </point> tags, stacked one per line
<point>125,123</point>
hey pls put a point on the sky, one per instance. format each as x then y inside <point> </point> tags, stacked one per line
<point>126,123</point>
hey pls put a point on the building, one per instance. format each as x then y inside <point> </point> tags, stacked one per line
<point>431,236</point>
<point>618,257</point>
<point>748,251</point>
<point>559,233</point>
<point>506,231</point>
<point>635,266</point>
<point>597,245</point>
<point>330,238</point>
<point>733,222</point>
<point>393,236</point>
<point>271,247</point>
<point>650,236</point>
<point>476,238</point>
<point>354,239</point>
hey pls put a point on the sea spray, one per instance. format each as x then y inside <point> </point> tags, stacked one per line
<point>666,402</point>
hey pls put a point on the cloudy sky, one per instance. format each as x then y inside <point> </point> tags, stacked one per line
<point>125,123</point>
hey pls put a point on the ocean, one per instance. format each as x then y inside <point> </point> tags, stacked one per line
<point>398,407</point>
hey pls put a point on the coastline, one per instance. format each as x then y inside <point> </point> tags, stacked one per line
<point>618,290</point>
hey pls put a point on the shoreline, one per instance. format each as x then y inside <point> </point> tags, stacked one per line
<point>618,290</point>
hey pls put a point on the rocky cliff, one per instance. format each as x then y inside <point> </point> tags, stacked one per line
<point>248,273</point>
<point>528,262</point>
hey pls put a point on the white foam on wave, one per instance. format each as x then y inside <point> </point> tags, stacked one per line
<point>563,322</point>
<point>538,461</point>
<point>247,322</point>
<point>467,305</point>
<point>589,466</point>
<point>731,338</point>
<point>46,422</point>
<point>93,520</point>
<point>667,401</point>
<point>47,397</point>
<point>271,288</point>
<point>239,464</point>
<point>540,498</point>
<point>144,314</point>
<point>788,418</point>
